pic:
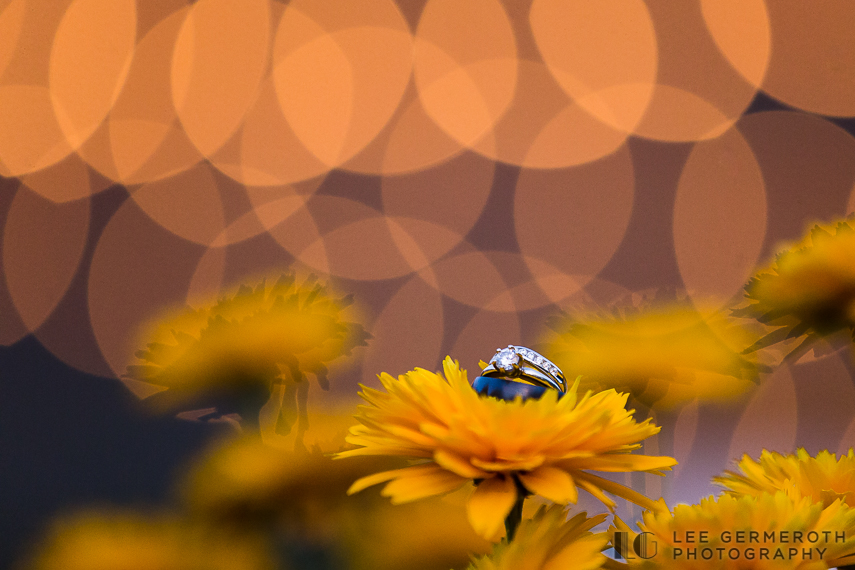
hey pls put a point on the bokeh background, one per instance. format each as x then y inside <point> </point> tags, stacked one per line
<point>465,169</point>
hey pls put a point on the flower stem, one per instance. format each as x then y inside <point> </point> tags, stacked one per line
<point>512,521</point>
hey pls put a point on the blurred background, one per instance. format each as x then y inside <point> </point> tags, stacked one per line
<point>464,169</point>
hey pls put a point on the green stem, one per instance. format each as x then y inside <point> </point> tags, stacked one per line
<point>512,521</point>
<point>249,402</point>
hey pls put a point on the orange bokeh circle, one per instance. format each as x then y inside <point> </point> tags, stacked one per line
<point>30,135</point>
<point>101,33</point>
<point>64,181</point>
<point>450,195</point>
<point>719,217</point>
<point>43,243</point>
<point>220,59</point>
<point>770,420</point>
<point>544,128</point>
<point>813,56</point>
<point>12,15</point>
<point>808,166</point>
<point>138,269</point>
<point>142,139</point>
<point>408,332</point>
<point>412,141</point>
<point>707,73</point>
<point>465,66</point>
<point>339,75</point>
<point>608,64</point>
<point>188,204</point>
<point>575,218</point>
<point>483,334</point>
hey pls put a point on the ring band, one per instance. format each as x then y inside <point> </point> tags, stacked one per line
<point>508,389</point>
<point>527,365</point>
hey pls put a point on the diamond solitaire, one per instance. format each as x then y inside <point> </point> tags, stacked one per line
<point>525,365</point>
<point>506,359</point>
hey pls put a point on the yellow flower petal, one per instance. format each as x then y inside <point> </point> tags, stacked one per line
<point>582,554</point>
<point>526,464</point>
<point>371,480</point>
<point>428,480</point>
<point>458,465</point>
<point>548,541</point>
<point>550,482</point>
<point>490,504</point>
<point>597,492</point>
<point>624,462</point>
<point>823,478</point>
<point>619,490</point>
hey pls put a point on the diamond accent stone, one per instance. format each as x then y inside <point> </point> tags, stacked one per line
<point>506,360</point>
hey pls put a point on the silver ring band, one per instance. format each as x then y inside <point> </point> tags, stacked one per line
<point>526,364</point>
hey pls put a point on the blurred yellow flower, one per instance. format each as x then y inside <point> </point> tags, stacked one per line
<point>301,497</point>
<point>664,353</point>
<point>809,291</point>
<point>823,478</point>
<point>543,446</point>
<point>129,541</point>
<point>764,531</point>
<point>549,542</point>
<point>426,535</point>
<point>246,479</point>
<point>239,347</point>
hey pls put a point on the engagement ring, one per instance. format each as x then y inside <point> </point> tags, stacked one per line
<point>526,365</point>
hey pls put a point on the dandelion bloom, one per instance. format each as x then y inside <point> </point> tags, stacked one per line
<point>809,291</point>
<point>245,343</point>
<point>664,353</point>
<point>545,446</point>
<point>764,531</point>
<point>549,542</point>
<point>130,541</point>
<point>823,478</point>
<point>244,483</point>
<point>244,478</point>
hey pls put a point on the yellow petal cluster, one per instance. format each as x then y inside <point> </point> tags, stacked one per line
<point>244,478</point>
<point>250,340</point>
<point>549,541</point>
<point>244,482</point>
<point>789,532</point>
<point>546,446</point>
<point>823,478</point>
<point>809,290</point>
<point>664,353</point>
<point>121,540</point>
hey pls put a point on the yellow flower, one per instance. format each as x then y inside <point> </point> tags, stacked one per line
<point>764,531</point>
<point>545,447</point>
<point>246,479</point>
<point>549,542</point>
<point>243,344</point>
<point>128,541</point>
<point>302,498</point>
<point>663,353</point>
<point>425,535</point>
<point>823,478</point>
<point>809,291</point>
